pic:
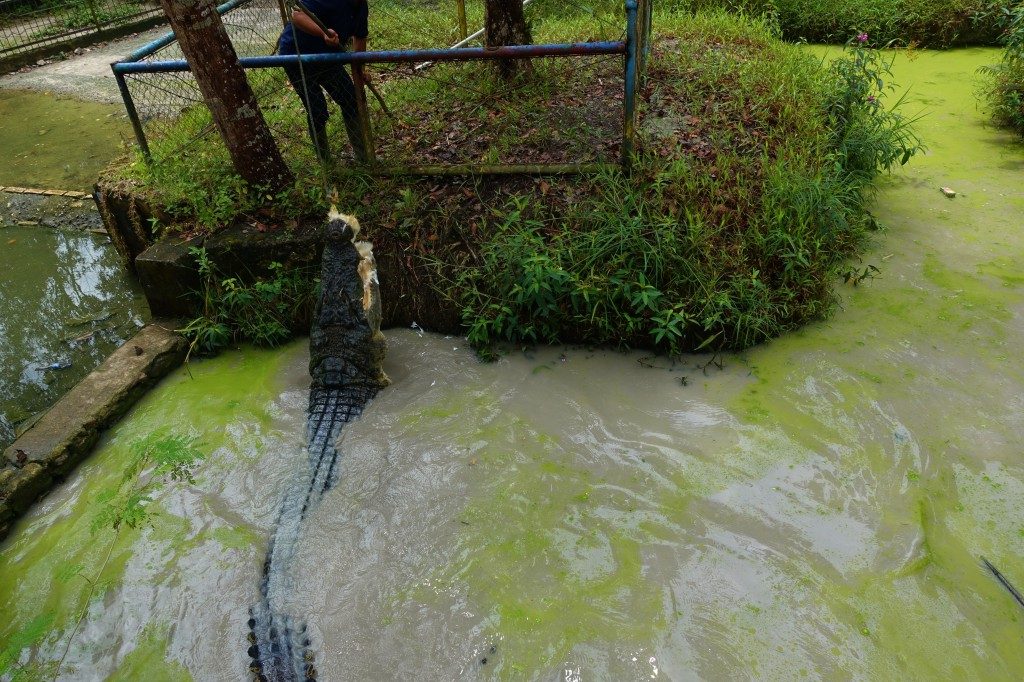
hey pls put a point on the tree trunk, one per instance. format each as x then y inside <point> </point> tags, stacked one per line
<point>505,24</point>
<point>222,81</point>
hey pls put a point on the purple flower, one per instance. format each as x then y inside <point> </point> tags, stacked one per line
<point>871,99</point>
<point>862,38</point>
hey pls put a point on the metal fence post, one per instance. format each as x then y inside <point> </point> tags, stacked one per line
<point>629,104</point>
<point>648,31</point>
<point>133,114</point>
<point>641,37</point>
<point>95,16</point>
<point>463,27</point>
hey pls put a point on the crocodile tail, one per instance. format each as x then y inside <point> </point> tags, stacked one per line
<point>279,646</point>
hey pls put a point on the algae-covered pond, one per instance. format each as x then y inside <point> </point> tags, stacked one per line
<point>817,508</point>
<point>57,143</point>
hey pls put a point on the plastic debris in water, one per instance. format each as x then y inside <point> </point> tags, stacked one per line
<point>1003,581</point>
<point>59,365</point>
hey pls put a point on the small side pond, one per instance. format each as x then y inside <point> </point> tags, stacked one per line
<point>66,302</point>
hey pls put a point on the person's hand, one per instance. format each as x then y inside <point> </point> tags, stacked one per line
<point>332,39</point>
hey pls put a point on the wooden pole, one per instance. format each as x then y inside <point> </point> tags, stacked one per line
<point>364,114</point>
<point>463,27</point>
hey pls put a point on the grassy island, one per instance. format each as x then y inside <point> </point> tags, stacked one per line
<point>746,205</point>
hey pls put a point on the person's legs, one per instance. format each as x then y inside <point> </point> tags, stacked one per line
<point>335,80</point>
<point>315,104</point>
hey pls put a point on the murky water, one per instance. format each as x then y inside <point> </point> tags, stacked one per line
<point>818,508</point>
<point>66,302</point>
<point>57,143</point>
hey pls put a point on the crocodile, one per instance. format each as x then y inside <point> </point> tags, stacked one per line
<point>346,354</point>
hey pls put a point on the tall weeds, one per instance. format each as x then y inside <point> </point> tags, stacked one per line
<point>924,23</point>
<point>1004,89</point>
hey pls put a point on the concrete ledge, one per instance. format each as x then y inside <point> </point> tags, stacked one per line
<point>47,192</point>
<point>66,434</point>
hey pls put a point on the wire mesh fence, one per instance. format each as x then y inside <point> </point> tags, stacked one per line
<point>568,112</point>
<point>37,27</point>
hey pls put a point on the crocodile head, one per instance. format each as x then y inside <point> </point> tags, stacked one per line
<point>346,345</point>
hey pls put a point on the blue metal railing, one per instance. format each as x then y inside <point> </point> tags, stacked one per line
<point>393,56</point>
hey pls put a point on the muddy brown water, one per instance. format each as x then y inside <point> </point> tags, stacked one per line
<point>815,509</point>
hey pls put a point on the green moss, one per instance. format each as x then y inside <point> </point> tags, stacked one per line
<point>148,661</point>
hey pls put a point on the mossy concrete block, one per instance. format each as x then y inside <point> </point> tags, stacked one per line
<point>169,277</point>
<point>25,486</point>
<point>243,251</point>
<point>169,273</point>
<point>65,435</point>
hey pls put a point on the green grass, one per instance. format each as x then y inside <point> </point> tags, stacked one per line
<point>193,180</point>
<point>741,215</point>
<point>266,311</point>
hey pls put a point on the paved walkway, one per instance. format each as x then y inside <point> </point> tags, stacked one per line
<point>86,75</point>
<point>253,29</point>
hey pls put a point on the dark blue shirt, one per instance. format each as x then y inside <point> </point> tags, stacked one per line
<point>347,17</point>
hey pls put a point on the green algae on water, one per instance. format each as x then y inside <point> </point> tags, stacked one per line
<point>53,142</point>
<point>912,385</point>
<point>556,555</point>
<point>51,559</point>
<point>148,661</point>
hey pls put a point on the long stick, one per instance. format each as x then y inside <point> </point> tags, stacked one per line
<point>376,93</point>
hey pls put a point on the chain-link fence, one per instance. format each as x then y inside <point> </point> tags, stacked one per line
<point>30,29</point>
<point>422,115</point>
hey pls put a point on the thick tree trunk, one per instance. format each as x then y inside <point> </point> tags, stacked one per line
<point>505,24</point>
<point>222,81</point>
